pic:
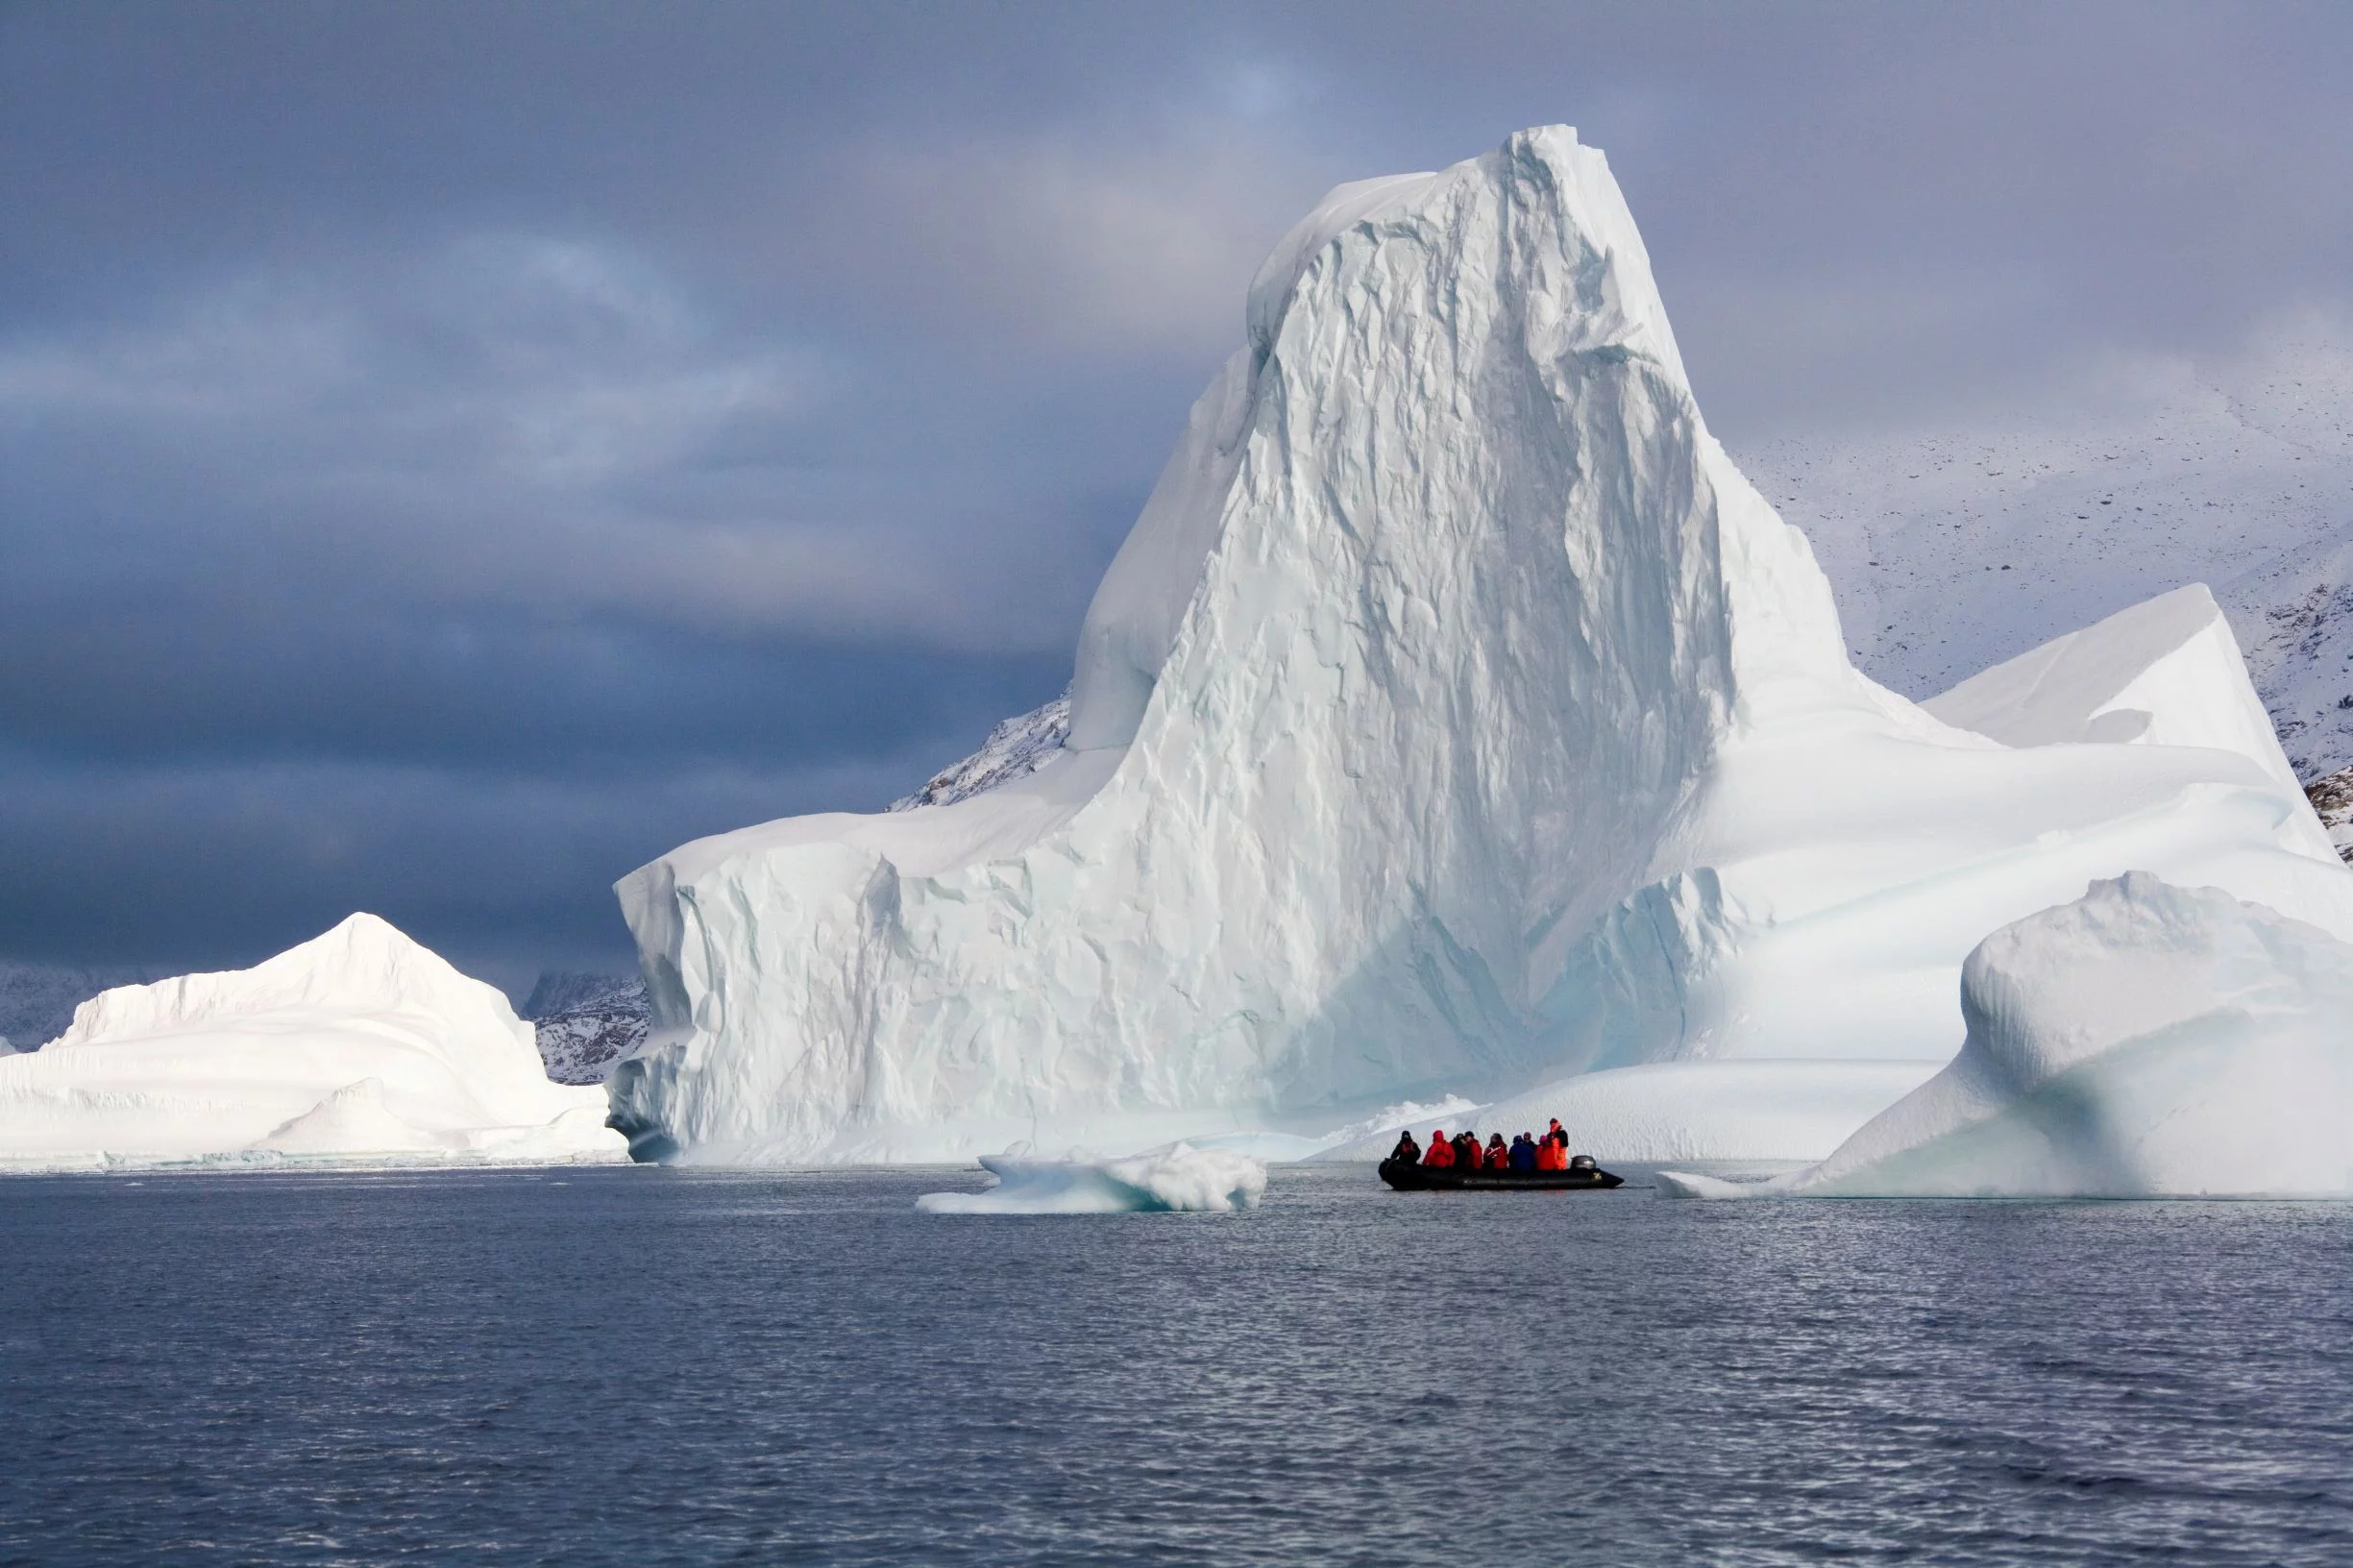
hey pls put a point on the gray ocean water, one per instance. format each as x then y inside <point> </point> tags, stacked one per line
<point>658,1366</point>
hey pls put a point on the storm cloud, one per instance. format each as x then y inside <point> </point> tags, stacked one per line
<point>450,453</point>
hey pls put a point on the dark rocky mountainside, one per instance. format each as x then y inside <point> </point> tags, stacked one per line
<point>1014,750</point>
<point>587,1023</point>
<point>2333,798</point>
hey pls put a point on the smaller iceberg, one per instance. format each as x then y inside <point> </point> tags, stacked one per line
<point>1179,1179</point>
<point>357,1048</point>
<point>2144,1041</point>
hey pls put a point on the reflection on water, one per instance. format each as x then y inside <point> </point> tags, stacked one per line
<point>656,1366</point>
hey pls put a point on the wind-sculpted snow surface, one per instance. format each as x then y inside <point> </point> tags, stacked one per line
<point>1457,719</point>
<point>1176,1180</point>
<point>2164,673</point>
<point>358,1046</point>
<point>2146,1041</point>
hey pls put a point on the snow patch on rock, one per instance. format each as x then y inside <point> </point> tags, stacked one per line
<point>586,1025</point>
<point>2332,797</point>
<point>1016,749</point>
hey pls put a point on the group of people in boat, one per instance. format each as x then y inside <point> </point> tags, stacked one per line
<point>1464,1152</point>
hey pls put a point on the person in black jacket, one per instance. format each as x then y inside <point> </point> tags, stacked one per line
<point>1407,1150</point>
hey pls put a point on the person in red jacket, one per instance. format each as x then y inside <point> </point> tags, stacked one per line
<point>1499,1157</point>
<point>1468,1152</point>
<point>1441,1152</point>
<point>1551,1151</point>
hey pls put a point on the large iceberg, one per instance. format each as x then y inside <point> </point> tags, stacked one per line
<point>358,1046</point>
<point>2146,1041</point>
<point>1455,720</point>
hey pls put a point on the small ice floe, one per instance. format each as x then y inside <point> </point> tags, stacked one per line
<point>1177,1179</point>
<point>1692,1184</point>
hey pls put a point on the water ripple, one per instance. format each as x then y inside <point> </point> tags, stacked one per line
<point>650,1366</point>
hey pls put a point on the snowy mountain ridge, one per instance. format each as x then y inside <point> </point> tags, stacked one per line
<point>1016,749</point>
<point>1955,547</point>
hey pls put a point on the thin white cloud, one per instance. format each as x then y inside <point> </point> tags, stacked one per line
<point>1078,241</point>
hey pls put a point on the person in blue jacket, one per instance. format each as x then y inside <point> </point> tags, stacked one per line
<point>1523,1153</point>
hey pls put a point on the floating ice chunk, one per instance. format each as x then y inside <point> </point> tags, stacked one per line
<point>1177,1179</point>
<point>2146,1041</point>
<point>1691,1184</point>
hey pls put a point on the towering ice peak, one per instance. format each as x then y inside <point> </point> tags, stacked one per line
<point>1457,718</point>
<point>1343,206</point>
<point>1541,216</point>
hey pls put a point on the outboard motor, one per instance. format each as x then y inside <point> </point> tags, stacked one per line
<point>1583,1161</point>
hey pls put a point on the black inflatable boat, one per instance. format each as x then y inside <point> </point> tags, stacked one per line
<point>1581,1175</point>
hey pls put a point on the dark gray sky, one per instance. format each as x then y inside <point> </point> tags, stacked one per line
<point>450,453</point>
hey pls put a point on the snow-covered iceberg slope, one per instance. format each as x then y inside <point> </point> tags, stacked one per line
<point>2166,672</point>
<point>358,1046</point>
<point>1457,719</point>
<point>2146,1041</point>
